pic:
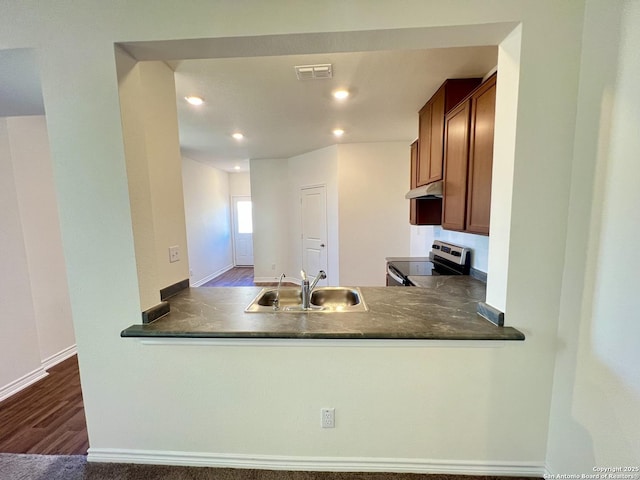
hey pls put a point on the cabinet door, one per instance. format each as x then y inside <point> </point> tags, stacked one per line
<point>431,126</point>
<point>422,211</point>
<point>483,103</point>
<point>413,213</point>
<point>437,137</point>
<point>431,133</point>
<point>456,151</point>
<point>414,165</point>
<point>424,146</point>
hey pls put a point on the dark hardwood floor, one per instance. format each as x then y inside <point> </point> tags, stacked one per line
<point>48,417</point>
<point>238,277</point>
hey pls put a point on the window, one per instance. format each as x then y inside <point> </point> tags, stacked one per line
<point>245,222</point>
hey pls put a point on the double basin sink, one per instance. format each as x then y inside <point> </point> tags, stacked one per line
<point>323,300</point>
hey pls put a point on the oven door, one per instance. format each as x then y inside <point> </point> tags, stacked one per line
<point>440,268</point>
<point>395,278</point>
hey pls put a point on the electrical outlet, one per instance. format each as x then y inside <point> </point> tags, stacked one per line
<point>174,254</point>
<point>328,417</point>
<point>273,266</point>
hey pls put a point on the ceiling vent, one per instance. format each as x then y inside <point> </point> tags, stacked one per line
<point>314,72</point>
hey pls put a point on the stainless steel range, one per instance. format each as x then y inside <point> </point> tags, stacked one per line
<point>444,259</point>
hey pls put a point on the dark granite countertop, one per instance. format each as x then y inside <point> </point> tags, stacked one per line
<point>444,309</point>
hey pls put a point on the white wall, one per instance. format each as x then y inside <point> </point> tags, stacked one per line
<point>420,240</point>
<point>34,297</point>
<point>150,130</point>
<point>240,184</point>
<point>19,350</point>
<point>319,167</point>
<point>208,220</point>
<point>500,397</point>
<point>271,220</point>
<point>33,173</point>
<point>373,213</point>
<point>478,243</point>
<point>595,415</point>
<point>504,151</point>
<point>422,398</point>
<point>365,185</point>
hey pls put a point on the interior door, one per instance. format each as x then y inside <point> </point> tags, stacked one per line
<point>242,231</point>
<point>313,211</point>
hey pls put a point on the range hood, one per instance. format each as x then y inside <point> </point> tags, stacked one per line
<point>430,190</point>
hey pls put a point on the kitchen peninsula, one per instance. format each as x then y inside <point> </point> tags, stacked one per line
<point>443,308</point>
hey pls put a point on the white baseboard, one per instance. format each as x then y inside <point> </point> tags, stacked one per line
<point>38,374</point>
<point>62,355</point>
<point>212,276</point>
<point>549,471</point>
<point>22,383</point>
<point>317,464</point>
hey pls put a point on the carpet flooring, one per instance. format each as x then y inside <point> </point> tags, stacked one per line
<point>76,467</point>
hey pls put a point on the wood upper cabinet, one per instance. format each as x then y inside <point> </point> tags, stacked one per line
<point>468,161</point>
<point>413,203</point>
<point>431,127</point>
<point>414,165</point>
<point>424,173</point>
<point>483,113</point>
<point>456,152</point>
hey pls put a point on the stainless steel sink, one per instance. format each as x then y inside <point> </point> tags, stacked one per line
<point>289,297</point>
<point>335,297</point>
<point>323,300</point>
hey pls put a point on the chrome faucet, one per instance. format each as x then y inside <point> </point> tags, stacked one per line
<point>307,288</point>
<point>276,302</point>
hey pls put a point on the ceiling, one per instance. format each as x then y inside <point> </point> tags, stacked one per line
<point>282,116</point>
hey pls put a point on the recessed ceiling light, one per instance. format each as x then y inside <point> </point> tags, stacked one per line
<point>193,100</point>
<point>238,136</point>
<point>341,94</point>
<point>237,167</point>
<point>338,132</point>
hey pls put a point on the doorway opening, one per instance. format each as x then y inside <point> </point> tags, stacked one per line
<point>241,274</point>
<point>242,232</point>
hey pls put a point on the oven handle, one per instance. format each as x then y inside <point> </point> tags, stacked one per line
<point>394,274</point>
